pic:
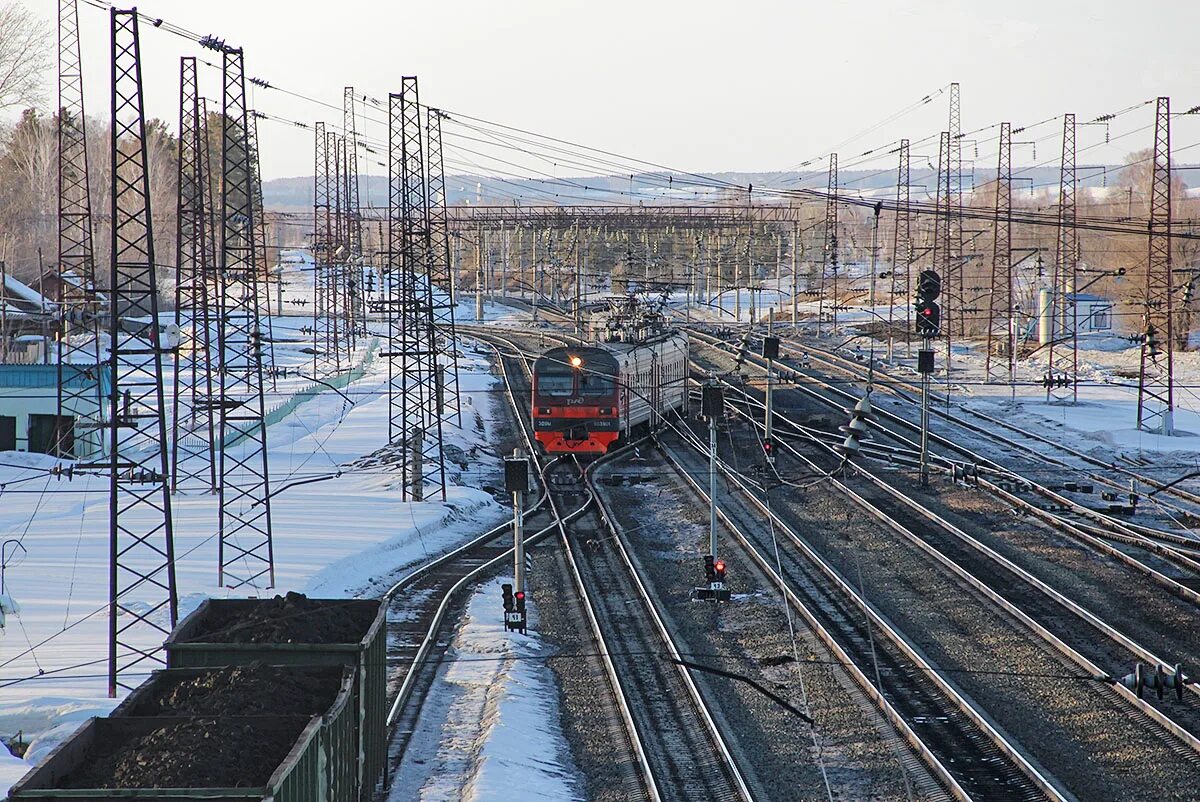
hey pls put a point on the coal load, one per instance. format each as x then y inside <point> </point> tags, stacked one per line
<point>193,753</point>
<point>249,690</point>
<point>293,618</point>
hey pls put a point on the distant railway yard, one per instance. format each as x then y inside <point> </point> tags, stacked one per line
<point>362,441</point>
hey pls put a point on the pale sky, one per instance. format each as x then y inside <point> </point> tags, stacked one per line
<point>701,86</point>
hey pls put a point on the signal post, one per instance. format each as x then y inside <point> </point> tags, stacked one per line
<point>516,482</point>
<point>929,325</point>
<point>770,352</point>
<point>712,407</point>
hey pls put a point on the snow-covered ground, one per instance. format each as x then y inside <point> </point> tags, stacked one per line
<point>496,726</point>
<point>345,534</point>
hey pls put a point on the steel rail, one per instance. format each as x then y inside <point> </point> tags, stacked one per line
<point>911,652</point>
<point>1122,533</point>
<point>725,753</point>
<point>1151,712</point>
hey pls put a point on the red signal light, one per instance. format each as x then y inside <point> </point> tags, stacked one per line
<point>720,566</point>
<point>520,595</point>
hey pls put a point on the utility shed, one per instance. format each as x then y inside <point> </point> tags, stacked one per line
<point>29,409</point>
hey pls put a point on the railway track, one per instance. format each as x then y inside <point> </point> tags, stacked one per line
<point>1085,639</point>
<point>959,741</point>
<point>1069,651</point>
<point>679,752</point>
<point>1164,563</point>
<point>971,758</point>
<point>1028,456</point>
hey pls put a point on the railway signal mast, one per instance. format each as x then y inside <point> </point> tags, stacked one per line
<point>929,326</point>
<point>516,482</point>
<point>712,407</point>
<point>770,352</point>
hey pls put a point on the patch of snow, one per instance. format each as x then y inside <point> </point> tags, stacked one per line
<point>498,725</point>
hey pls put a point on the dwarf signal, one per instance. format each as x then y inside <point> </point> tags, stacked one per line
<point>714,574</point>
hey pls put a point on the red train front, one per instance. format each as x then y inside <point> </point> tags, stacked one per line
<point>575,400</point>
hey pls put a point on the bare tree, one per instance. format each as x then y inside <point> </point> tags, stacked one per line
<point>24,56</point>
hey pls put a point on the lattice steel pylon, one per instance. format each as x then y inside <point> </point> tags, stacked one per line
<point>829,253</point>
<point>1062,366</point>
<point>80,307</point>
<point>354,236</point>
<point>902,249</point>
<point>337,275</point>
<point>1001,360</point>
<point>246,555</point>
<point>954,280</point>
<point>262,290</point>
<point>324,245</point>
<point>1156,379</point>
<point>941,241</point>
<point>193,434</point>
<point>414,416</point>
<point>143,604</point>
<point>440,273</point>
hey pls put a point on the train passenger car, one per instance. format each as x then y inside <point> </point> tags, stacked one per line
<point>587,398</point>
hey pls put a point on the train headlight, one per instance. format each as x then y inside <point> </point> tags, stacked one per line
<point>576,361</point>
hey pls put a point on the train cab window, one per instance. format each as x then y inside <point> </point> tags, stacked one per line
<point>558,385</point>
<point>596,385</point>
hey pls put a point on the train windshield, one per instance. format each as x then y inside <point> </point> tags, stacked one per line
<point>558,385</point>
<point>595,384</point>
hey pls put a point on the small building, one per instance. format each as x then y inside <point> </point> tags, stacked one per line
<point>1093,313</point>
<point>29,409</point>
<point>1090,314</point>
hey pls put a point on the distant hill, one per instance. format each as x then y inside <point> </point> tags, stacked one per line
<point>297,193</point>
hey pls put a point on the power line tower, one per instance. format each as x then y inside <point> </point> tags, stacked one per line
<point>902,247</point>
<point>337,275</point>
<point>941,240</point>
<point>829,256</point>
<point>955,279</point>
<point>441,276</point>
<point>323,247</point>
<point>414,416</point>
<point>354,236</point>
<point>246,552</point>
<point>1156,379</point>
<point>142,602</point>
<point>193,437</point>
<point>80,402</point>
<point>1063,362</point>
<point>262,284</point>
<point>1000,362</point>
